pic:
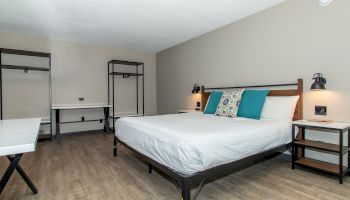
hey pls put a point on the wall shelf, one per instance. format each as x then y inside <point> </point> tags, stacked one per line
<point>25,53</point>
<point>19,67</point>
<point>125,74</point>
<point>124,62</point>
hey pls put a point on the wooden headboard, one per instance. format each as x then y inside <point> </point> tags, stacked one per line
<point>298,114</point>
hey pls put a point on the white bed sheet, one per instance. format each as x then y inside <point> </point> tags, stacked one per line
<point>193,142</point>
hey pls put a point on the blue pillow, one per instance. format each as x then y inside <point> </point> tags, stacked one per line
<point>213,102</point>
<point>252,103</point>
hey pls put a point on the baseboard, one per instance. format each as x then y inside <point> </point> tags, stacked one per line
<point>82,132</point>
<point>285,156</point>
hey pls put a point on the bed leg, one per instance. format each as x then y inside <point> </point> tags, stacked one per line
<point>186,191</point>
<point>150,168</point>
<point>115,147</point>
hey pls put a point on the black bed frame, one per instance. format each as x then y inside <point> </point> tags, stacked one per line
<point>198,180</point>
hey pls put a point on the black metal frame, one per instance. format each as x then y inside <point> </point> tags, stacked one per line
<point>253,86</point>
<point>26,69</point>
<point>341,151</point>
<point>112,72</point>
<point>199,179</point>
<point>14,165</point>
<point>58,120</point>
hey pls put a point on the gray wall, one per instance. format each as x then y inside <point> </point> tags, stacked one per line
<point>292,40</point>
<point>78,70</point>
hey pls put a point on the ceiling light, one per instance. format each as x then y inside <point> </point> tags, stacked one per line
<point>325,2</point>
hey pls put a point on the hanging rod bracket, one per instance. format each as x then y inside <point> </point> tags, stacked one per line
<point>126,75</point>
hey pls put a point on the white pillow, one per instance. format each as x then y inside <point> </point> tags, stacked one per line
<point>282,107</point>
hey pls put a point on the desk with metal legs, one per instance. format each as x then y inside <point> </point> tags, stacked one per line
<point>18,136</point>
<point>59,108</point>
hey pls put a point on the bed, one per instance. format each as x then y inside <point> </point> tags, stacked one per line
<point>195,149</point>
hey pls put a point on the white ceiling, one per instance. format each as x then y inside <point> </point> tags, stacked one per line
<point>145,25</point>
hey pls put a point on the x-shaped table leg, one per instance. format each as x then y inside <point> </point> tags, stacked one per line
<point>15,165</point>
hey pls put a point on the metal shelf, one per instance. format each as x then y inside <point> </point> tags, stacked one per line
<point>138,70</point>
<point>321,146</point>
<point>19,67</point>
<point>81,121</point>
<point>25,53</point>
<point>27,68</point>
<point>116,116</point>
<point>125,74</point>
<point>124,62</point>
<point>319,165</point>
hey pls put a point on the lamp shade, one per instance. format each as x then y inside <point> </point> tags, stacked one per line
<point>320,82</point>
<point>317,86</point>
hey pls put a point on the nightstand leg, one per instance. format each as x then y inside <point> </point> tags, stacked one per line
<point>303,138</point>
<point>341,157</point>
<point>293,147</point>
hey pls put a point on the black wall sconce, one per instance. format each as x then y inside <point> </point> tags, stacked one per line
<point>319,83</point>
<point>195,89</point>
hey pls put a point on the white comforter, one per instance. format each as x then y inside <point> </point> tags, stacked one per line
<point>193,142</point>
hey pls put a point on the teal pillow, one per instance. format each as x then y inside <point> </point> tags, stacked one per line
<point>252,103</point>
<point>213,102</point>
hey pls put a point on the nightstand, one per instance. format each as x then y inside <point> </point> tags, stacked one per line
<point>298,147</point>
<point>188,111</point>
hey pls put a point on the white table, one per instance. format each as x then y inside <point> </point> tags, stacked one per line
<point>57,108</point>
<point>79,106</point>
<point>328,125</point>
<point>18,136</point>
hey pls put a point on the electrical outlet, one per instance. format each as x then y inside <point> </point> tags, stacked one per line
<point>198,104</point>
<point>320,110</point>
<point>81,99</point>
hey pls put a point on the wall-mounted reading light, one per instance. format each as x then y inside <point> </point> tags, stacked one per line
<point>196,88</point>
<point>319,83</point>
<point>325,2</point>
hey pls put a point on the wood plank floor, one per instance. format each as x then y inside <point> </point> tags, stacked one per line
<point>82,167</point>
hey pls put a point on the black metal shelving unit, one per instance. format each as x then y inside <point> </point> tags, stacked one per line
<point>26,69</point>
<point>137,72</point>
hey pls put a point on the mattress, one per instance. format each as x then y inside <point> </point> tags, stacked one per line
<point>193,142</point>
